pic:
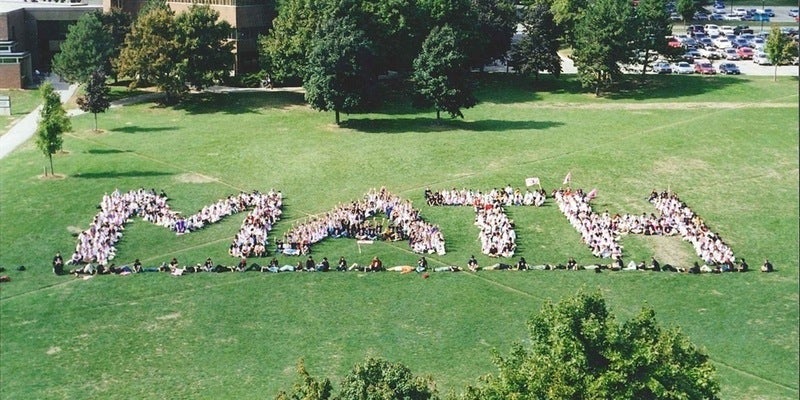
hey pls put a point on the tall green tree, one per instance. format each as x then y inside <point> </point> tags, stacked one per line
<point>780,49</point>
<point>652,28</point>
<point>97,96</point>
<point>378,379</point>
<point>602,42</point>
<point>203,40</point>
<point>578,350</point>
<point>306,387</point>
<point>496,24</point>
<point>53,122</point>
<point>686,9</point>
<point>441,73</point>
<point>538,49</point>
<point>285,49</point>
<point>117,24</point>
<point>153,54</point>
<point>87,46</point>
<point>567,13</point>
<point>341,75</point>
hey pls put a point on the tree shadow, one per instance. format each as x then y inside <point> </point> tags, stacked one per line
<point>107,151</point>
<point>669,86</point>
<point>142,129</point>
<point>419,124</point>
<point>124,174</point>
<point>235,103</point>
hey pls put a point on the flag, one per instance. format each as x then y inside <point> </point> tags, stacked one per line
<point>531,181</point>
<point>591,194</point>
<point>567,178</point>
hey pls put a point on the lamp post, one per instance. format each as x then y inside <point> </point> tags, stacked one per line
<point>762,15</point>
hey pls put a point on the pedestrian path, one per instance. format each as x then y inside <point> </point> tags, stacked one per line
<point>25,128</point>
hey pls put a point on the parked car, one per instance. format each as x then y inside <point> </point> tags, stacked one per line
<point>662,67</point>
<point>794,12</point>
<point>709,52</point>
<point>704,68</point>
<point>691,55</point>
<point>731,55</point>
<point>711,29</point>
<point>745,53</point>
<point>729,69</point>
<point>683,67</point>
<point>769,12</point>
<point>761,59</point>
<point>673,42</point>
<point>716,17</point>
<point>726,30</point>
<point>742,29</point>
<point>722,43</point>
<point>740,42</point>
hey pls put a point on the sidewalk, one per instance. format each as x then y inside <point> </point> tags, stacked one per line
<point>25,128</point>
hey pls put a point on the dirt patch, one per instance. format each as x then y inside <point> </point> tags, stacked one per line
<point>51,177</point>
<point>169,316</point>
<point>671,250</point>
<point>74,230</point>
<point>53,350</point>
<point>194,178</point>
<point>678,166</point>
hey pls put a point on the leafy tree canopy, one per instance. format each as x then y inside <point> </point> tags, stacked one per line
<point>87,46</point>
<point>578,351</point>
<point>53,123</point>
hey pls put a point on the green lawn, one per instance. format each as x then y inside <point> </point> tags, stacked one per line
<point>727,146</point>
<point>22,103</point>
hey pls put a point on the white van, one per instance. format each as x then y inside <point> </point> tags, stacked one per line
<point>711,30</point>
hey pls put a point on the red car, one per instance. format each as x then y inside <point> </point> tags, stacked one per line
<point>745,53</point>
<point>704,68</point>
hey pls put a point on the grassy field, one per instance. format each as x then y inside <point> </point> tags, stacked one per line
<point>22,103</point>
<point>727,146</point>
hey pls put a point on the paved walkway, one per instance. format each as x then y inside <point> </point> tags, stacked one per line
<point>26,127</point>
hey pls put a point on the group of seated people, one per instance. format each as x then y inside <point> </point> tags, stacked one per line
<point>496,230</point>
<point>97,243</point>
<point>351,220</point>
<point>507,196</point>
<point>601,231</point>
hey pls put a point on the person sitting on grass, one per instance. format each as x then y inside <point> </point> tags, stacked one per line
<point>522,265</point>
<point>472,264</point>
<point>767,267</point>
<point>422,264</point>
<point>342,264</point>
<point>324,266</point>
<point>742,267</point>
<point>58,264</point>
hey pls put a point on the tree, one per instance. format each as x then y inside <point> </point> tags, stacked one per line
<point>118,24</point>
<point>307,387</point>
<point>87,46</point>
<point>53,123</point>
<point>341,76</point>
<point>578,351</point>
<point>286,48</point>
<point>602,41</point>
<point>538,49</point>
<point>203,39</point>
<point>496,24</point>
<point>567,13</point>
<point>378,379</point>
<point>441,74</point>
<point>96,98</point>
<point>779,48</point>
<point>686,9</point>
<point>152,54</point>
<point>652,28</point>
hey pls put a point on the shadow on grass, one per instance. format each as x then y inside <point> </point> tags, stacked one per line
<point>143,129</point>
<point>401,125</point>
<point>125,174</point>
<point>107,151</point>
<point>240,103</point>
<point>669,86</point>
<point>511,88</point>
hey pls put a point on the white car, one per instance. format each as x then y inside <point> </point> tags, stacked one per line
<point>794,12</point>
<point>726,30</point>
<point>709,53</point>
<point>711,30</point>
<point>731,54</point>
<point>722,43</point>
<point>761,59</point>
<point>683,68</point>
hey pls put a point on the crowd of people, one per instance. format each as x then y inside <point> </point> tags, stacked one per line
<point>601,231</point>
<point>357,220</point>
<point>496,230</point>
<point>97,243</point>
<point>354,220</point>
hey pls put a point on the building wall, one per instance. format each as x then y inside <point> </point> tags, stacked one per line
<point>11,76</point>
